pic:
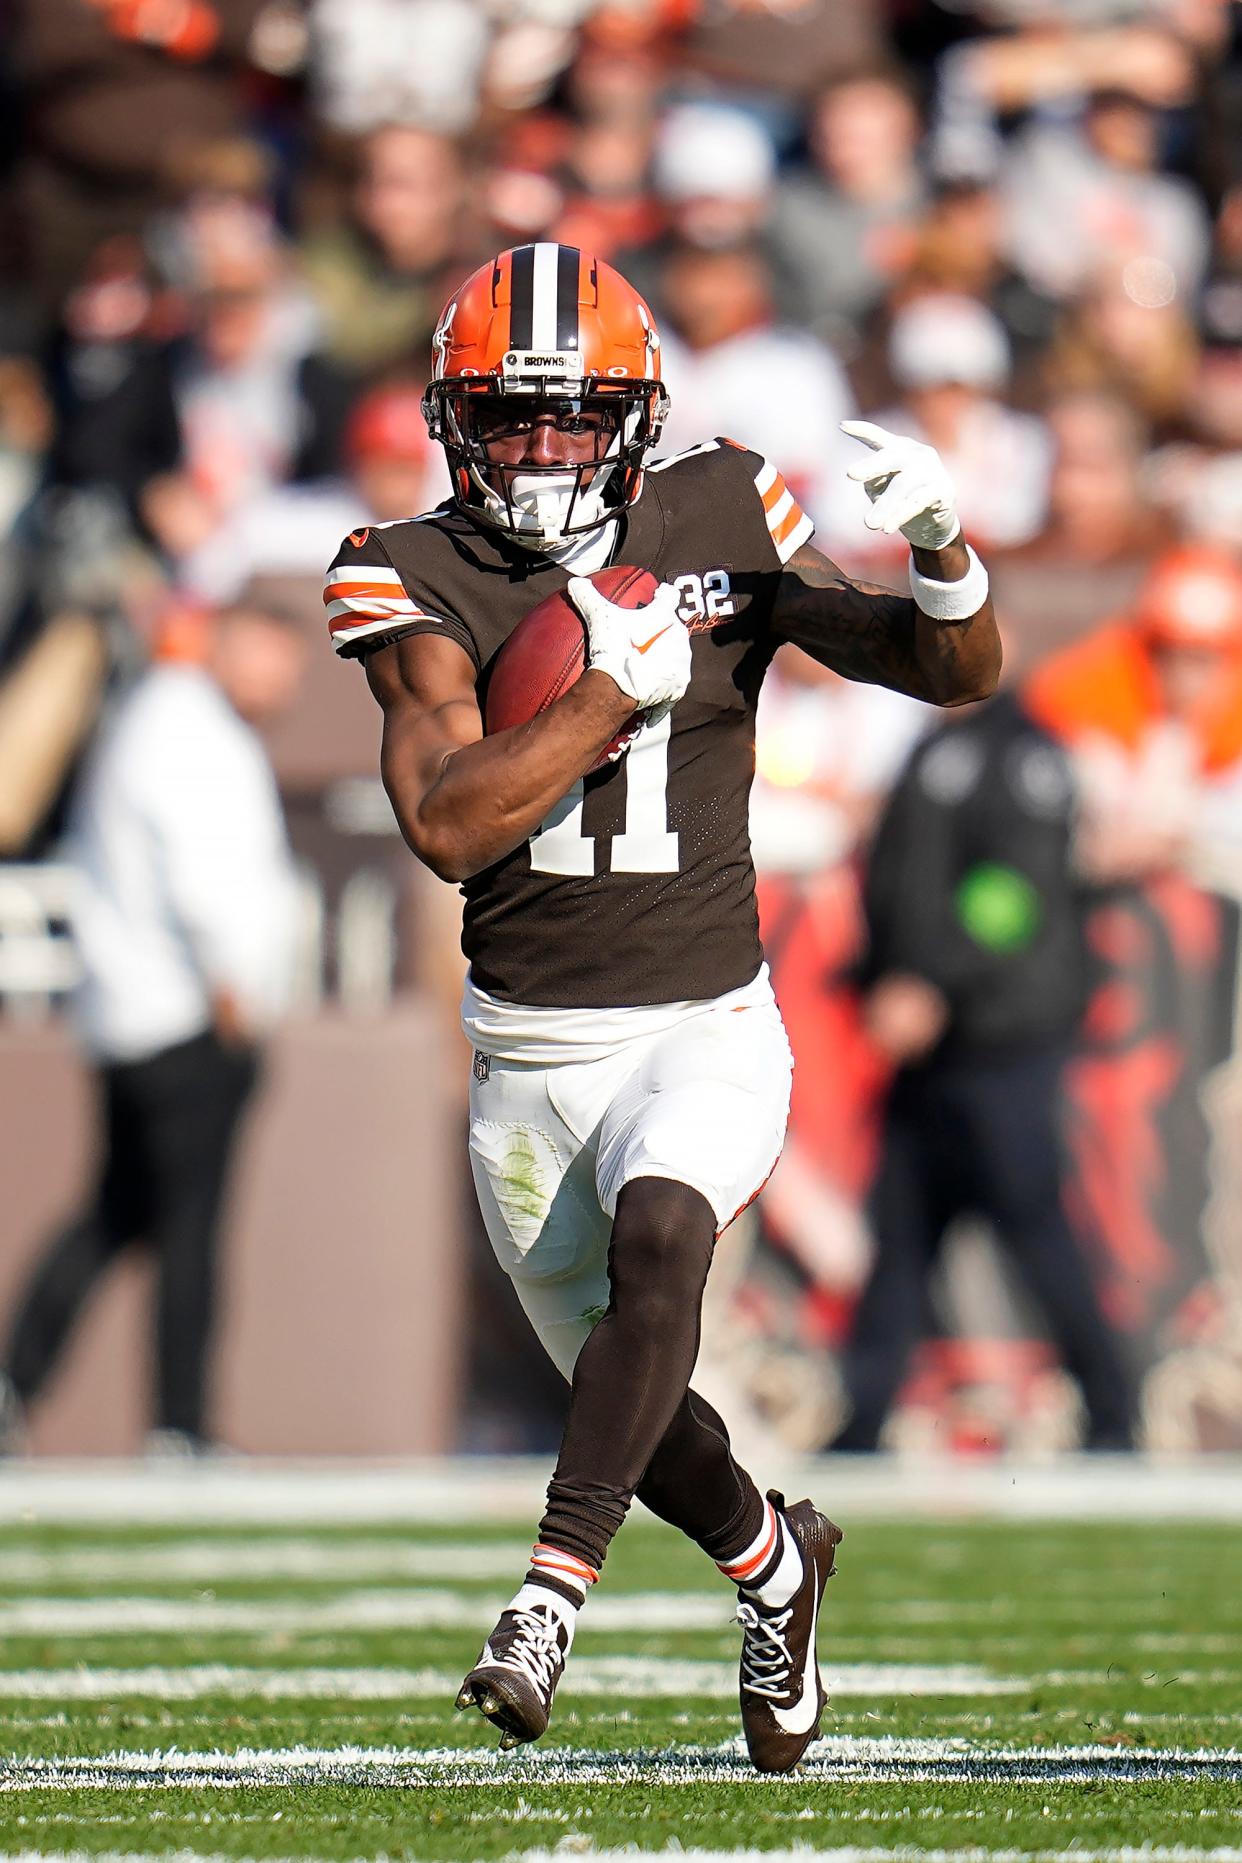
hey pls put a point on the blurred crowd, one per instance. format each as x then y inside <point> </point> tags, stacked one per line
<point>1014,230</point>
<point>1011,229</point>
<point>229,225</point>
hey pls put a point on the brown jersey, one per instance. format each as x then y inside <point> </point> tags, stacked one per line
<point>639,887</point>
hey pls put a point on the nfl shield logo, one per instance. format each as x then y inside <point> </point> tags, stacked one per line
<point>482,1066</point>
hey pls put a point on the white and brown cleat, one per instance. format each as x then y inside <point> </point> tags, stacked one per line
<point>781,1692</point>
<point>514,1681</point>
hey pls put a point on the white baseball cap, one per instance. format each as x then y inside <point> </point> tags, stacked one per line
<point>708,150</point>
<point>946,338</point>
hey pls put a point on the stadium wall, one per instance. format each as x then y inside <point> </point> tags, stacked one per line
<point>341,1269</point>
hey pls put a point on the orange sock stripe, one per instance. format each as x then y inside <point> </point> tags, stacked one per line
<point>742,1568</point>
<point>552,1559</point>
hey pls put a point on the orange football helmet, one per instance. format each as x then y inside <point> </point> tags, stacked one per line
<point>546,324</point>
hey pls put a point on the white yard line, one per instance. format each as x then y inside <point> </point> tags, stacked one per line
<point>441,1607</point>
<point>645,1677</point>
<point>850,1853</point>
<point>901,1853</point>
<point>206,1856</point>
<point>834,1760</point>
<point>1210,1643</point>
<point>988,1612</point>
<point>211,1561</point>
<point>273,1493</point>
<point>1126,1488</point>
<point>349,1610</point>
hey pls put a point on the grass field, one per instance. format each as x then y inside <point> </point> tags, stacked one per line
<point>273,1687</point>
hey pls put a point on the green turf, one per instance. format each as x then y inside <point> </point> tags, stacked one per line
<point>1123,1641</point>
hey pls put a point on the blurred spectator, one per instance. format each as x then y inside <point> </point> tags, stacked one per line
<point>532,46</point>
<point>185,925</point>
<point>1097,510</point>
<point>392,471</point>
<point>976,979</point>
<point>117,425</point>
<point>623,69</point>
<point>1128,334</point>
<point>950,357</point>
<point>827,751</point>
<point>194,428</point>
<point>714,170</point>
<point>1197,475</point>
<point>394,61</point>
<point>64,557</point>
<point>49,700</point>
<point>1208,500</point>
<point>731,369</point>
<point>1152,709</point>
<point>846,227</point>
<point>115,93</point>
<point>1215,408</point>
<point>395,470</point>
<point>607,203</point>
<point>1221,310</point>
<point>1100,533</point>
<point>26,435</point>
<point>1076,197</point>
<point>254,403</point>
<point>380,278</point>
<point>779,56</point>
<point>960,249</point>
<point>614,90</point>
<point>523,190</point>
<point>1051,72</point>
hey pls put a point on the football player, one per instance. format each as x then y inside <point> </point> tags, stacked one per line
<point>631,1073</point>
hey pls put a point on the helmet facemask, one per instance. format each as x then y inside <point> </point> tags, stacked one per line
<point>542,506</point>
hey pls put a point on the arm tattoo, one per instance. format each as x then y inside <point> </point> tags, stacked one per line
<point>872,634</point>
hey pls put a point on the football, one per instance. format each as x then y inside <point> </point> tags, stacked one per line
<point>546,653</point>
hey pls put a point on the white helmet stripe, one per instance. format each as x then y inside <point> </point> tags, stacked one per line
<point>543,326</point>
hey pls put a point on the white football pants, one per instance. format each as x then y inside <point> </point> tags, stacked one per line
<point>704,1103</point>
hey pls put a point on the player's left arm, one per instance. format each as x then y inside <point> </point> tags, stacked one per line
<point>939,643</point>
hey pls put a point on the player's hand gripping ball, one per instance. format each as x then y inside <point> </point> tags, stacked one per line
<point>619,621</point>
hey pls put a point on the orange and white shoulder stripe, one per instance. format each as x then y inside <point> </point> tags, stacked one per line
<point>366,599</point>
<point>788,524</point>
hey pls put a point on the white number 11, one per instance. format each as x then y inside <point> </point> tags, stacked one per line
<point>645,846</point>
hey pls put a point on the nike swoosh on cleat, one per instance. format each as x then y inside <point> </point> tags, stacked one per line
<point>652,641</point>
<point>801,1717</point>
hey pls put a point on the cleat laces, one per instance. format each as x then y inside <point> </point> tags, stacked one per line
<point>767,1661</point>
<point>535,1651</point>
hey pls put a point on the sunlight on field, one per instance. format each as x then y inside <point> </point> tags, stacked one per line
<point>1017,1688</point>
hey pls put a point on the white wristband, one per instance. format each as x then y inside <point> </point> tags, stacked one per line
<point>951,601</point>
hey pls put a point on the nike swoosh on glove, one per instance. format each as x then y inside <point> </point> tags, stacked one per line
<point>646,651</point>
<point>908,485</point>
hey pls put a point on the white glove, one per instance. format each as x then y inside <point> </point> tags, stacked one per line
<point>646,651</point>
<point>908,486</point>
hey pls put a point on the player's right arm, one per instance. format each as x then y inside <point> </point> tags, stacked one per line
<point>462,800</point>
